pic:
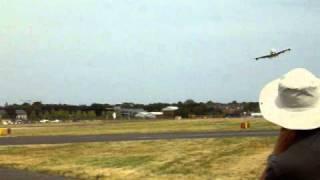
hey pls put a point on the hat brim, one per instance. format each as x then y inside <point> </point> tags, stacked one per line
<point>290,118</point>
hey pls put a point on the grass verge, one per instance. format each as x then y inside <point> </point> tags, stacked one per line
<point>142,126</point>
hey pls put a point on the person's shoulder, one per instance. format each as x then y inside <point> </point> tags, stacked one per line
<point>272,171</point>
<point>292,163</point>
<point>281,166</point>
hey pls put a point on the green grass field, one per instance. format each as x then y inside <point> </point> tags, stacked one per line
<point>138,126</point>
<point>225,159</point>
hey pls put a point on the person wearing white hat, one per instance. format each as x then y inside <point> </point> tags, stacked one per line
<point>293,102</point>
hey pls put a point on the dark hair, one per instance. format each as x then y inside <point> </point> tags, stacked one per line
<point>287,138</point>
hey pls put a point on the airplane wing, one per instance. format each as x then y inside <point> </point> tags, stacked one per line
<point>267,56</point>
<point>283,51</point>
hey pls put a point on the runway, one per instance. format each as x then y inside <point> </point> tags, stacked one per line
<point>14,174</point>
<point>29,140</point>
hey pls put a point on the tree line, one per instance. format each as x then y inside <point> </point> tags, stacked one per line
<point>187,109</point>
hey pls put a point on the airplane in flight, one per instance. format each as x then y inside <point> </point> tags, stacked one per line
<point>273,54</point>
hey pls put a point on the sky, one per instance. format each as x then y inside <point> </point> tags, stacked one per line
<point>146,51</point>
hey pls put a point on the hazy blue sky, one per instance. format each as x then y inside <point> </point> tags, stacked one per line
<point>112,51</point>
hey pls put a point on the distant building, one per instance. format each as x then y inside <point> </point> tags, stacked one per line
<point>145,115</point>
<point>3,113</point>
<point>169,111</point>
<point>157,114</point>
<point>256,115</point>
<point>128,112</point>
<point>170,108</point>
<point>21,115</point>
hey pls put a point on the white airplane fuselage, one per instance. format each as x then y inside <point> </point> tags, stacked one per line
<point>273,53</point>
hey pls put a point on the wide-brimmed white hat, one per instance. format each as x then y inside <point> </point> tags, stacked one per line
<point>293,101</point>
